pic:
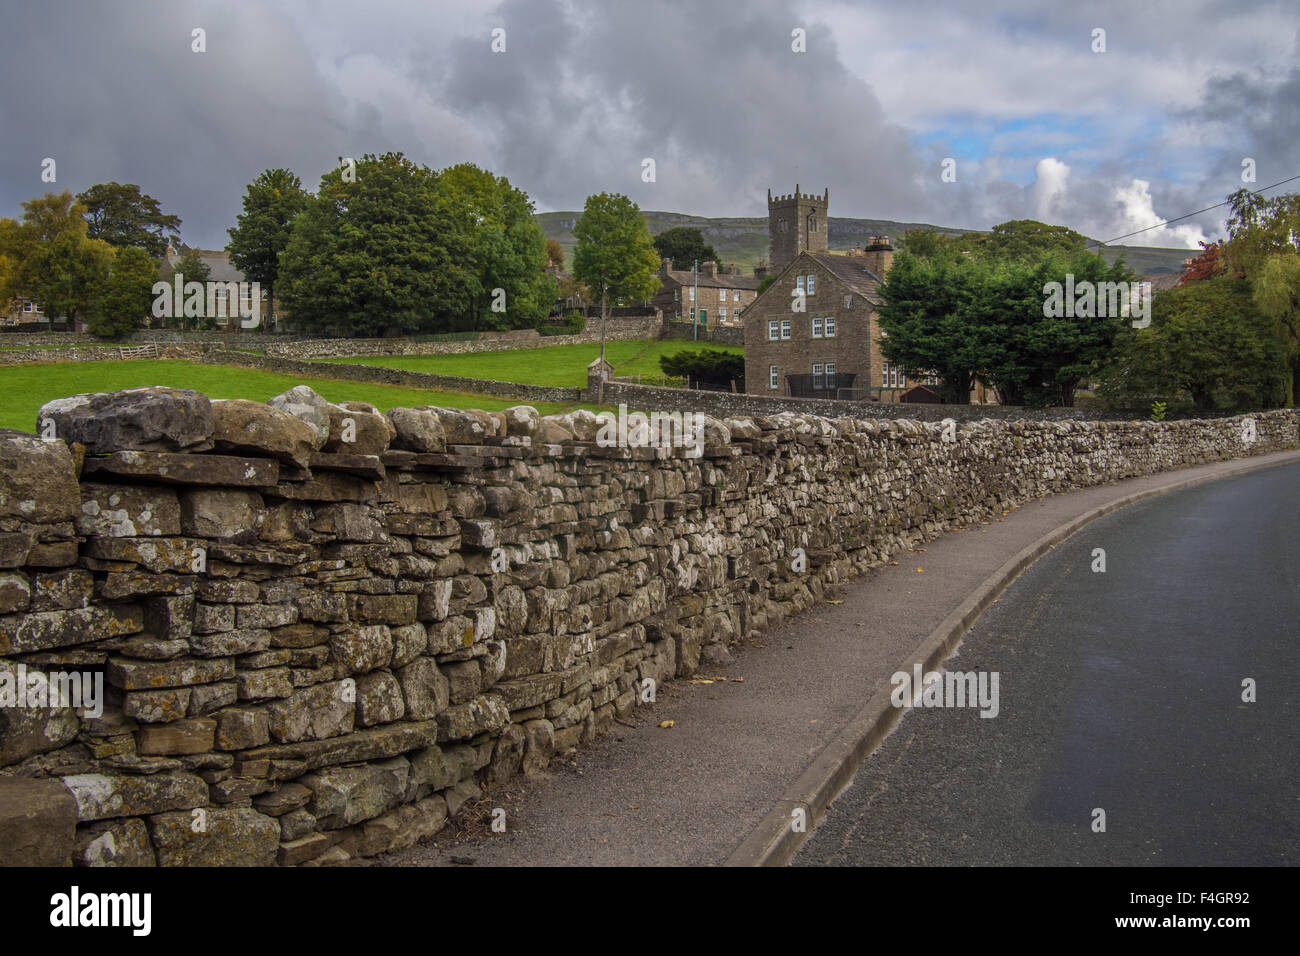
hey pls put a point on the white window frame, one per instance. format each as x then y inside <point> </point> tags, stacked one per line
<point>848,302</point>
<point>819,377</point>
<point>722,315</point>
<point>830,327</point>
<point>773,331</point>
<point>785,330</point>
<point>812,284</point>
<point>773,377</point>
<point>830,376</point>
<point>722,295</point>
<point>692,293</point>
<point>735,295</point>
<point>798,283</point>
<point>816,328</point>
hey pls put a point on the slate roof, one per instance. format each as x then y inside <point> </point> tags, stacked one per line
<point>852,272</point>
<point>720,281</point>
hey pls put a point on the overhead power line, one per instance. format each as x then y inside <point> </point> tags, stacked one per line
<point>1166,222</point>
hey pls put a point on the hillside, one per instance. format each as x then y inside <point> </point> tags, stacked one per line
<point>744,240</point>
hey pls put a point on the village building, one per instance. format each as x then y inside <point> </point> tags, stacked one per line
<point>714,296</point>
<point>814,332</point>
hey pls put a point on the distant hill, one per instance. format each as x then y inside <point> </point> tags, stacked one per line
<point>744,240</point>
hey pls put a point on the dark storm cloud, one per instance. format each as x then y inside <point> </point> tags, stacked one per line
<point>712,92</point>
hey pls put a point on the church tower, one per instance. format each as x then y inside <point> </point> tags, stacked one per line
<point>795,224</point>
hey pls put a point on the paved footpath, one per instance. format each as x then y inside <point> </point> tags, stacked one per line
<point>690,794</point>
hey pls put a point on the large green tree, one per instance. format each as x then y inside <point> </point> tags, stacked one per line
<point>379,253</point>
<point>261,231</point>
<point>986,319</point>
<point>684,245</point>
<point>1207,343</point>
<point>506,266</point>
<point>127,295</point>
<point>1264,246</point>
<point>56,264</point>
<point>124,217</point>
<point>615,256</point>
<point>927,322</point>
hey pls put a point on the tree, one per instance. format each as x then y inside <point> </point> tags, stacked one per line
<point>684,246</point>
<point>615,255</point>
<point>1206,264</point>
<point>926,322</point>
<point>261,231</point>
<point>57,265</point>
<point>710,366</point>
<point>1028,240</point>
<point>1208,341</point>
<point>1263,241</point>
<point>127,295</point>
<point>506,265</point>
<point>124,217</point>
<point>554,253</point>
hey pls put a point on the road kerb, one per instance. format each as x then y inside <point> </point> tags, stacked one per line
<point>776,839</point>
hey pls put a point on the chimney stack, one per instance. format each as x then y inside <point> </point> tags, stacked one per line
<point>879,255</point>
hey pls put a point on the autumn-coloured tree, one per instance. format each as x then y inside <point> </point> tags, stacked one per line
<point>1207,264</point>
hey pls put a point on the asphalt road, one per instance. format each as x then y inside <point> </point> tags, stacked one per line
<point>1119,691</point>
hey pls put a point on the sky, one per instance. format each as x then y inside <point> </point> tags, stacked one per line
<point>1038,122</point>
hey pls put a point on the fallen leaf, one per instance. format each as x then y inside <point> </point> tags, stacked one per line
<point>893,564</point>
<point>834,602</point>
<point>738,680</point>
<point>665,724</point>
<point>920,570</point>
<point>699,680</point>
<point>859,623</point>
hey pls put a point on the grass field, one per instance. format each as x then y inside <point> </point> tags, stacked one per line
<point>25,388</point>
<point>560,365</point>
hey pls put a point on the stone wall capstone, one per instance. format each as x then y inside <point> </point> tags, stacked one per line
<point>320,628</point>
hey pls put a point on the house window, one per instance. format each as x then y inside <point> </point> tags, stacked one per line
<point>735,295</point>
<point>722,315</point>
<point>812,284</point>
<point>830,376</point>
<point>817,328</point>
<point>722,295</point>
<point>848,302</point>
<point>772,333</point>
<point>692,293</point>
<point>785,330</point>
<point>819,378</point>
<point>780,225</point>
<point>29,306</point>
<point>812,223</point>
<point>772,376</point>
<point>798,283</point>
<point>830,327</point>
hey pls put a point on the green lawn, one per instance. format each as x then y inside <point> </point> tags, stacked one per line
<point>25,388</point>
<point>561,365</point>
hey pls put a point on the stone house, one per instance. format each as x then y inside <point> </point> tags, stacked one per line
<point>814,332</point>
<point>723,293</point>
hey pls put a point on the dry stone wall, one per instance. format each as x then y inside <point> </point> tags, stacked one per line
<point>629,327</point>
<point>322,630</point>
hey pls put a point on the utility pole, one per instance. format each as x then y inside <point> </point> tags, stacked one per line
<point>695,301</point>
